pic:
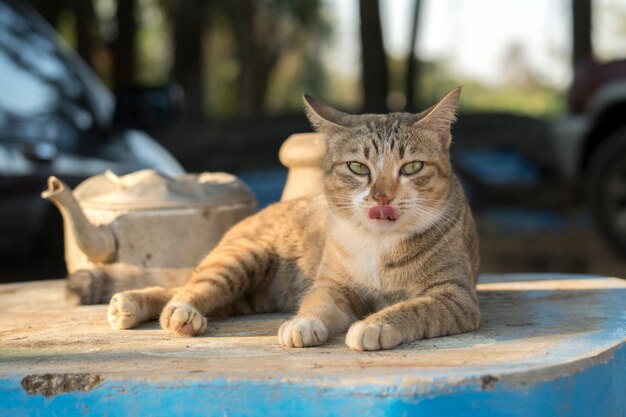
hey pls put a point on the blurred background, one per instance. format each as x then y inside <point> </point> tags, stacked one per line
<point>540,143</point>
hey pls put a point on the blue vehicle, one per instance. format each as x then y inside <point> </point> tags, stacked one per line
<point>57,118</point>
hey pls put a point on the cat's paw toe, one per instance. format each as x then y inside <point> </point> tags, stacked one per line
<point>371,336</point>
<point>302,332</point>
<point>183,320</point>
<point>124,311</point>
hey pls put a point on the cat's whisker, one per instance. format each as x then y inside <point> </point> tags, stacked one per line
<point>432,220</point>
<point>448,220</point>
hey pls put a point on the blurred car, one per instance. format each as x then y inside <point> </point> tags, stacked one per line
<point>57,118</point>
<point>590,145</point>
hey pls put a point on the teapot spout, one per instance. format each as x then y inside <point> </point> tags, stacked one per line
<point>97,242</point>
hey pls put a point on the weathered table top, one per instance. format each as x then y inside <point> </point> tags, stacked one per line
<point>548,345</point>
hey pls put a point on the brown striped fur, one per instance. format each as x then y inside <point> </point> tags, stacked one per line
<point>384,282</point>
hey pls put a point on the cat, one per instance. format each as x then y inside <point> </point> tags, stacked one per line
<point>389,252</point>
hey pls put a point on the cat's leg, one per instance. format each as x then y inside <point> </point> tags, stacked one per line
<point>224,276</point>
<point>327,309</point>
<point>86,287</point>
<point>442,311</point>
<point>130,308</point>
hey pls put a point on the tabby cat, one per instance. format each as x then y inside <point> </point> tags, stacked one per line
<point>388,253</point>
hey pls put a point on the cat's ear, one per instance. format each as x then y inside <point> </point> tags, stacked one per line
<point>440,117</point>
<point>323,117</point>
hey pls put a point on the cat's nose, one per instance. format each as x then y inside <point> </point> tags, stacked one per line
<point>384,199</point>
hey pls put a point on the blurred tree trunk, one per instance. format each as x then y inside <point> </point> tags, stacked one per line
<point>189,55</point>
<point>85,22</point>
<point>49,9</point>
<point>124,46</point>
<point>86,28</point>
<point>257,57</point>
<point>413,66</point>
<point>374,61</point>
<point>582,48</point>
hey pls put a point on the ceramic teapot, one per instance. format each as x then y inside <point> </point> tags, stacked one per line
<point>144,228</point>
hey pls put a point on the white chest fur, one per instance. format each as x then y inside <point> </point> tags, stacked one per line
<point>364,251</point>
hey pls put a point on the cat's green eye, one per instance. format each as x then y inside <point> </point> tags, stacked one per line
<point>358,168</point>
<point>411,168</point>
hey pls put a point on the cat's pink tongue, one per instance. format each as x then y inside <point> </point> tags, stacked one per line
<point>382,213</point>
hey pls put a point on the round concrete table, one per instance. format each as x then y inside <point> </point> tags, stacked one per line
<point>549,345</point>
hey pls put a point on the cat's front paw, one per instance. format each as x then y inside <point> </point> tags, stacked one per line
<point>182,319</point>
<point>302,332</point>
<point>371,336</point>
<point>124,311</point>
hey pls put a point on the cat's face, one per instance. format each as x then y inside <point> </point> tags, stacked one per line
<point>388,173</point>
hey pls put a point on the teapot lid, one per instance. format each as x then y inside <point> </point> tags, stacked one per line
<point>148,189</point>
